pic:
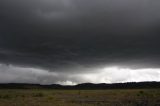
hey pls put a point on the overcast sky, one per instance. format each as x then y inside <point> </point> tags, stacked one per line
<point>76,41</point>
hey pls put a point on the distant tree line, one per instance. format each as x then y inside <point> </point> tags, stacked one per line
<point>85,86</point>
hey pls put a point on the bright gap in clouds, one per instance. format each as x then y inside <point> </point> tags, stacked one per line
<point>14,74</point>
<point>116,75</point>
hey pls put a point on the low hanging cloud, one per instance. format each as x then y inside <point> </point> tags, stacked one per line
<point>14,74</point>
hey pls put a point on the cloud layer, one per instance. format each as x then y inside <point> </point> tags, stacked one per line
<point>79,36</point>
<point>14,74</point>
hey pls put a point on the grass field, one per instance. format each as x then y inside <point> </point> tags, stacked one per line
<point>126,97</point>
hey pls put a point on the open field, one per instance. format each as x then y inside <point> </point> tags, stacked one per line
<point>44,97</point>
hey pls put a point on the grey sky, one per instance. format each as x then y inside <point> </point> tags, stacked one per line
<point>78,36</point>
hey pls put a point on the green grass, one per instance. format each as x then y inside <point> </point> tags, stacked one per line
<point>127,97</point>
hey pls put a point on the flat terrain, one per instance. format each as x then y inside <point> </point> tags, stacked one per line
<point>44,97</point>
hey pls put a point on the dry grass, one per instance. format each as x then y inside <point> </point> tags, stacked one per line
<point>130,97</point>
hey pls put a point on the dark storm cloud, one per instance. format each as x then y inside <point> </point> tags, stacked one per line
<point>77,34</point>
